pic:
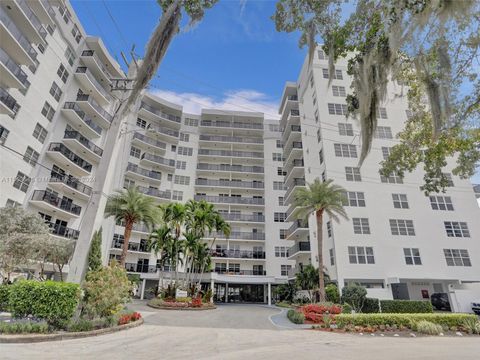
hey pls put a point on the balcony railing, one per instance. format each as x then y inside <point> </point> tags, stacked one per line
<point>241,272</point>
<point>72,182</point>
<point>91,77</point>
<point>239,235</point>
<point>295,112</point>
<point>91,53</point>
<point>297,224</point>
<point>22,40</point>
<point>231,183</point>
<point>49,9</point>
<point>88,98</point>
<point>131,246</point>
<point>228,124</point>
<point>243,217</point>
<point>231,200</point>
<point>84,141</point>
<point>161,114</point>
<point>295,145</point>
<point>289,129</point>
<point>233,168</point>
<point>63,231</point>
<point>140,268</point>
<point>56,201</point>
<point>162,130</point>
<point>155,192</point>
<point>229,139</point>
<point>77,160</point>
<point>149,141</point>
<point>238,254</point>
<point>85,118</point>
<point>296,182</point>
<point>9,101</point>
<point>230,153</point>
<point>292,97</point>
<point>144,172</point>
<point>158,159</point>
<point>300,246</point>
<point>33,18</point>
<point>14,68</point>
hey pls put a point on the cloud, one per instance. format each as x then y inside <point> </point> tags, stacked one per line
<point>238,100</point>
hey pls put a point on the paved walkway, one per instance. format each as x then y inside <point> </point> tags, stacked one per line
<point>238,332</point>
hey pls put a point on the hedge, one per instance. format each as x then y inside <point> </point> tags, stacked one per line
<point>406,306</point>
<point>450,320</point>
<point>295,316</point>
<point>54,302</point>
<point>4,294</point>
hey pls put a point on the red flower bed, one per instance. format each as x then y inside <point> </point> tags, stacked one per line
<point>315,313</point>
<point>197,302</point>
<point>127,318</point>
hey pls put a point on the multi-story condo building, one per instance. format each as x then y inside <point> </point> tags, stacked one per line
<point>56,111</point>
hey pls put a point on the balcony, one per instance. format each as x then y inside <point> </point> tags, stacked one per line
<point>137,247</point>
<point>155,160</point>
<point>243,217</point>
<point>290,165</point>
<point>26,20</point>
<point>164,133</point>
<point>296,148</point>
<point>8,105</point>
<point>238,254</point>
<point>89,83</point>
<point>289,130</point>
<point>81,144</point>
<point>299,248</point>
<point>69,184</point>
<point>230,184</point>
<point>63,231</point>
<point>297,182</point>
<point>231,125</point>
<point>64,156</point>
<point>48,201</point>
<point>138,268</point>
<point>15,43</point>
<point>158,194</point>
<point>231,200</point>
<point>293,212</point>
<point>95,65</point>
<point>79,118</point>
<point>230,153</point>
<point>230,168</point>
<point>11,75</point>
<point>157,114</point>
<point>147,142</point>
<point>232,139</point>
<point>239,235</point>
<point>90,106</point>
<point>44,11</point>
<point>143,174</point>
<point>289,102</point>
<point>298,228</point>
<point>290,117</point>
<point>242,272</point>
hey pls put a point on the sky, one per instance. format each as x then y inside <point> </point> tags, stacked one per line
<point>233,59</point>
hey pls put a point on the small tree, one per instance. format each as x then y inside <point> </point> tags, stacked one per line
<point>61,253</point>
<point>331,291</point>
<point>286,292</point>
<point>354,295</point>
<point>307,279</point>
<point>95,254</point>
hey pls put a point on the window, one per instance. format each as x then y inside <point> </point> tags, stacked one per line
<point>40,133</point>
<point>135,152</point>
<point>383,132</point>
<point>314,97</point>
<point>65,14</point>
<point>332,257</point>
<point>337,109</point>
<point>279,144</point>
<point>322,55</point>
<point>187,151</point>
<point>142,123</point>
<point>320,156</point>
<point>279,217</point>
<point>316,115</point>
<point>169,177</point>
<point>31,156</point>
<point>182,180</point>
<point>345,129</point>
<point>177,195</point>
<point>386,152</point>
<point>70,56</point>
<point>280,172</point>
<point>76,34</point>
<point>182,165</point>
<point>337,74</point>
<point>50,29</point>
<point>382,113</point>
<point>184,137</point>
<point>352,173</point>
<point>361,255</point>
<point>277,157</point>
<point>449,179</point>
<point>3,135</point>
<point>281,251</point>
<point>400,201</point>
<point>329,229</point>
<point>393,178</point>
<point>278,185</point>
<point>22,182</point>
<point>55,91</point>
<point>312,82</point>
<point>361,226</point>
<point>457,257</point>
<point>402,227</point>
<point>339,91</point>
<point>319,135</point>
<point>48,111</point>
<point>62,73</point>
<point>128,183</point>
<point>412,256</point>
<point>456,229</point>
<point>353,198</point>
<point>283,234</point>
<point>191,122</point>
<point>441,203</point>
<point>345,150</point>
<point>12,203</point>
<point>284,269</point>
<point>281,201</point>
<point>41,48</point>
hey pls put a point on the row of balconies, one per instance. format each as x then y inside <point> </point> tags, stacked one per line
<point>299,247</point>
<point>230,183</point>
<point>79,118</point>
<point>142,173</point>
<point>33,19</point>
<point>174,118</point>
<point>231,200</point>
<point>238,235</point>
<point>229,124</point>
<point>231,153</point>
<point>46,197</point>
<point>71,182</point>
<point>8,104</point>
<point>243,217</point>
<point>88,80</point>
<point>230,168</point>
<point>63,231</point>
<point>81,165</point>
<point>164,131</point>
<point>296,182</point>
<point>152,269</point>
<point>231,139</point>
<point>75,135</point>
<point>297,226</point>
<point>131,246</point>
<point>88,104</point>
<point>157,160</point>
<point>147,141</point>
<point>156,193</point>
<point>238,254</point>
<point>12,75</point>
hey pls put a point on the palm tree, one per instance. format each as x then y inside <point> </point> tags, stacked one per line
<point>192,243</point>
<point>175,214</point>
<point>158,241</point>
<point>130,207</point>
<point>319,198</point>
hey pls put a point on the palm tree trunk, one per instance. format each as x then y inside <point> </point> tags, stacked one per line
<point>204,263</point>
<point>126,239</point>
<point>321,285</point>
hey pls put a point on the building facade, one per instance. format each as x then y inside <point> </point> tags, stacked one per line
<point>56,112</point>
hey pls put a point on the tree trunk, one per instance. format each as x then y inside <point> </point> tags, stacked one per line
<point>321,285</point>
<point>126,240</point>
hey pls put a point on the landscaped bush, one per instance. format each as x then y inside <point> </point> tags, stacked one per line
<point>370,306</point>
<point>54,302</point>
<point>346,308</point>
<point>448,320</point>
<point>23,327</point>
<point>315,312</point>
<point>207,297</point>
<point>406,306</point>
<point>197,302</point>
<point>472,326</point>
<point>427,327</point>
<point>127,318</point>
<point>354,295</point>
<point>81,325</point>
<point>183,299</point>
<point>4,294</point>
<point>295,316</point>
<point>332,293</point>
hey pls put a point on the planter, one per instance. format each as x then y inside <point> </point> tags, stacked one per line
<point>165,306</point>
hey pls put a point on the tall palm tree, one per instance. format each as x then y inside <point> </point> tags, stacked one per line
<point>192,242</point>
<point>175,214</point>
<point>319,198</point>
<point>130,207</point>
<point>158,241</point>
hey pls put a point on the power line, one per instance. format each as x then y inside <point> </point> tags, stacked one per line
<point>125,42</point>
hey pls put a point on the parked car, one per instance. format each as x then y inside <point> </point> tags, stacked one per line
<point>440,301</point>
<point>476,307</point>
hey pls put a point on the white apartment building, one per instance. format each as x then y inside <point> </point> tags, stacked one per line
<point>56,113</point>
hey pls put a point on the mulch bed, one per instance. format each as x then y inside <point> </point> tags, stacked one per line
<point>182,308</point>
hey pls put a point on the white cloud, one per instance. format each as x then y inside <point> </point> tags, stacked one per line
<point>238,100</point>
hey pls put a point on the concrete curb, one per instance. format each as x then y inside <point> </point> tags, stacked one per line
<point>181,308</point>
<point>30,338</point>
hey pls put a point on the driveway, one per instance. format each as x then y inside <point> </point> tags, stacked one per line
<point>238,332</point>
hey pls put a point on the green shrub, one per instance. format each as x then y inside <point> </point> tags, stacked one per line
<point>23,327</point>
<point>406,306</point>
<point>295,316</point>
<point>346,308</point>
<point>283,304</point>
<point>4,294</point>
<point>354,295</point>
<point>54,302</point>
<point>448,320</point>
<point>332,294</point>
<point>427,327</point>
<point>370,306</point>
<point>81,325</point>
<point>286,292</point>
<point>472,326</point>
<point>187,299</point>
